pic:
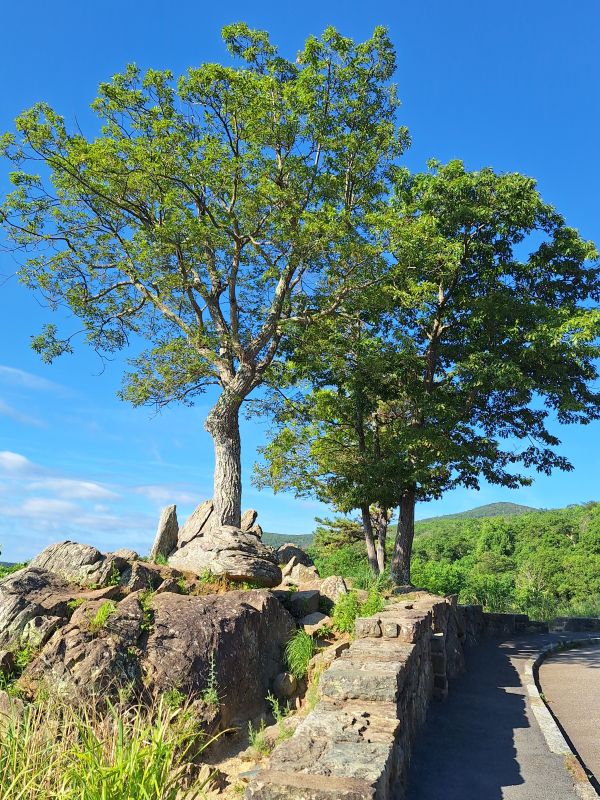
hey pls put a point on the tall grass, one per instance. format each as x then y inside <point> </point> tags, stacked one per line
<point>59,752</point>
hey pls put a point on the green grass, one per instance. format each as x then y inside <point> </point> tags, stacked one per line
<point>298,652</point>
<point>102,615</point>
<point>60,752</point>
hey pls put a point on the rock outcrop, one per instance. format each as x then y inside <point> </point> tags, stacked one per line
<point>167,533</point>
<point>240,555</point>
<point>79,563</point>
<point>287,551</point>
<point>196,523</point>
<point>171,641</point>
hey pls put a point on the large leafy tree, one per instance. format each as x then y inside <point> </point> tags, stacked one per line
<point>483,331</point>
<point>208,214</point>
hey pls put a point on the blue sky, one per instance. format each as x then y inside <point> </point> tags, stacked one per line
<point>513,85</point>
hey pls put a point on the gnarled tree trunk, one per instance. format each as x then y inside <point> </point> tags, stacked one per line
<point>223,425</point>
<point>400,566</point>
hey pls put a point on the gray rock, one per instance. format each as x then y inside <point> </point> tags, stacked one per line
<point>80,563</point>
<point>229,551</point>
<point>248,519</point>
<point>127,553</point>
<point>7,662</point>
<point>302,603</point>
<point>289,550</point>
<point>34,592</point>
<point>333,588</point>
<point>172,643</point>
<point>144,576</point>
<point>313,623</point>
<point>256,530</point>
<point>196,523</point>
<point>39,630</point>
<point>285,685</point>
<point>167,534</point>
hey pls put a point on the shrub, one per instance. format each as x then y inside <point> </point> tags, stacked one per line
<point>374,603</point>
<point>298,652</point>
<point>345,611</point>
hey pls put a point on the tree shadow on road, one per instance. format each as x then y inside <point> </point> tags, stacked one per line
<point>466,750</point>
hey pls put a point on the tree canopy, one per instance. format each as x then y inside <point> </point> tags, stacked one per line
<point>208,214</point>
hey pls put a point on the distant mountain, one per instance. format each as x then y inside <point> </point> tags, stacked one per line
<point>489,510</point>
<point>277,539</point>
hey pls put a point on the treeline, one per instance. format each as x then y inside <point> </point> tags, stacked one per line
<point>545,563</point>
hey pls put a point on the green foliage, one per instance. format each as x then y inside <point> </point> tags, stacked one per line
<point>257,740</point>
<point>374,603</point>
<point>543,563</point>
<point>345,611</point>
<point>174,698</point>
<point>279,714</point>
<point>162,560</point>
<point>146,597</point>
<point>298,652</point>
<point>55,750</point>
<point>6,569</point>
<point>102,615</point>
<point>210,695</point>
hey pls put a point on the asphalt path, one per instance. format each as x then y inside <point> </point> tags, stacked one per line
<point>570,681</point>
<point>484,743</point>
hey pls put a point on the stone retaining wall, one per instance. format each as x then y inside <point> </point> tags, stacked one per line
<point>356,743</point>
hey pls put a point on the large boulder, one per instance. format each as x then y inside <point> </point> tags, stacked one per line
<point>80,563</point>
<point>289,550</point>
<point>196,523</point>
<point>175,641</point>
<point>229,551</point>
<point>33,593</point>
<point>167,532</point>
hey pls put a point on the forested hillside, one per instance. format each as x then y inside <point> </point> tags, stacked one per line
<point>543,563</point>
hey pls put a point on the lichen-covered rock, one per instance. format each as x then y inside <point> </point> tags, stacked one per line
<point>333,588</point>
<point>196,523</point>
<point>80,563</point>
<point>170,641</point>
<point>127,553</point>
<point>34,592</point>
<point>248,519</point>
<point>285,685</point>
<point>165,540</point>
<point>229,551</point>
<point>289,550</point>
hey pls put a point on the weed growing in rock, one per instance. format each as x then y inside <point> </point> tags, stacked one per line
<point>257,739</point>
<point>211,694</point>
<point>174,698</point>
<point>101,617</point>
<point>161,560</point>
<point>280,713</point>
<point>146,598</point>
<point>75,603</point>
<point>298,652</point>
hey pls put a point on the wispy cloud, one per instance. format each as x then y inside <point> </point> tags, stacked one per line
<point>27,380</point>
<point>166,494</point>
<point>70,488</point>
<point>18,416</point>
<point>16,464</point>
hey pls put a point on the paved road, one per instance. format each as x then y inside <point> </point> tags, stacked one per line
<point>484,743</point>
<point>570,682</point>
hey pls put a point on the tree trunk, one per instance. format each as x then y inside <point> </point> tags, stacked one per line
<point>381,525</point>
<point>400,567</point>
<point>368,529</point>
<point>223,425</point>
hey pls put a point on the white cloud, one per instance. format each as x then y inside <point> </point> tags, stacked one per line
<point>166,494</point>
<point>74,489</point>
<point>18,377</point>
<point>45,507</point>
<point>18,416</point>
<point>16,464</point>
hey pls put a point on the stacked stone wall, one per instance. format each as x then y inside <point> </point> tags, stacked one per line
<point>356,743</point>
